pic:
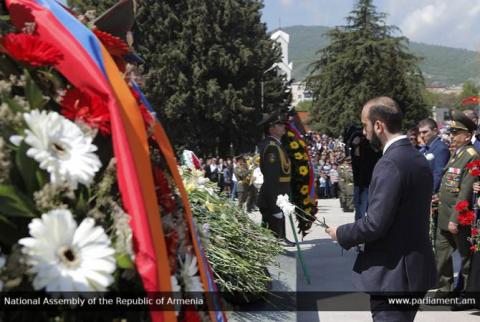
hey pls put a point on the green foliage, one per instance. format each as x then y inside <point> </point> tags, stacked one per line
<point>364,60</point>
<point>84,5</point>
<point>304,106</point>
<point>440,64</point>
<point>205,62</point>
<point>14,203</point>
<point>469,89</point>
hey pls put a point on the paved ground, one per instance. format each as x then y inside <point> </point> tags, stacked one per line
<point>330,271</point>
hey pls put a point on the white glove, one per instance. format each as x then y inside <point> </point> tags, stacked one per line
<point>278,215</point>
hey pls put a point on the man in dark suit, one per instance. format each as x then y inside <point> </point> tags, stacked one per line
<point>436,151</point>
<point>437,154</point>
<point>276,170</point>
<point>397,256</point>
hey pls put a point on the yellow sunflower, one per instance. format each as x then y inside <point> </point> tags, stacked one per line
<point>307,201</point>
<point>302,143</point>
<point>298,156</point>
<point>294,145</point>
<point>304,190</point>
<point>303,170</point>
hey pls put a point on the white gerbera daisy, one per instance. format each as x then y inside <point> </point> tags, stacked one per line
<point>188,272</point>
<point>61,148</point>
<point>66,258</point>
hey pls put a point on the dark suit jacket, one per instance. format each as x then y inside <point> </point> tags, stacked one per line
<point>441,156</point>
<point>398,256</point>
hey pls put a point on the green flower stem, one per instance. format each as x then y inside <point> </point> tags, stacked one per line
<point>300,254</point>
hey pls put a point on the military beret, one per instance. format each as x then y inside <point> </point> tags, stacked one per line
<point>461,122</point>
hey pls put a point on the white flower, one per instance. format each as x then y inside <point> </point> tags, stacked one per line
<point>123,232</point>
<point>188,272</point>
<point>284,204</point>
<point>61,148</point>
<point>65,258</point>
<point>429,156</point>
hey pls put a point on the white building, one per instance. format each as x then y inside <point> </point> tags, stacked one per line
<point>299,93</point>
<point>284,66</point>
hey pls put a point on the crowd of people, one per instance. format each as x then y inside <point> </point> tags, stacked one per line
<point>240,178</point>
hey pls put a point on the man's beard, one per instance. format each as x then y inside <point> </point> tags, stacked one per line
<point>375,143</point>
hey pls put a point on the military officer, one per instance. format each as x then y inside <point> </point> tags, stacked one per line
<point>276,170</point>
<point>456,185</point>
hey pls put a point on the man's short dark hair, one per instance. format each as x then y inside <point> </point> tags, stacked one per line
<point>386,110</point>
<point>428,122</point>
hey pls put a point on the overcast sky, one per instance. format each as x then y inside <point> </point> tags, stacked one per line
<point>453,23</point>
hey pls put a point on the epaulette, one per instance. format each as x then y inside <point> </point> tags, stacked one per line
<point>472,151</point>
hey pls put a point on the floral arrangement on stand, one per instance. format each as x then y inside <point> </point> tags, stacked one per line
<point>302,183</point>
<point>231,237</point>
<point>69,219</point>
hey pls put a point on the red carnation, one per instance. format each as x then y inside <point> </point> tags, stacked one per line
<point>89,108</point>
<point>461,206</point>
<point>30,49</point>
<point>474,248</point>
<point>466,218</point>
<point>475,172</point>
<point>474,232</point>
<point>114,45</point>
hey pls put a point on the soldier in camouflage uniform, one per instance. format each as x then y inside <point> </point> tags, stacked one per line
<point>456,186</point>
<point>346,186</point>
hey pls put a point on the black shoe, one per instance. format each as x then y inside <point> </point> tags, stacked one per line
<point>287,243</point>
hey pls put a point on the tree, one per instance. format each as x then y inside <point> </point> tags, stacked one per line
<point>364,60</point>
<point>205,63</point>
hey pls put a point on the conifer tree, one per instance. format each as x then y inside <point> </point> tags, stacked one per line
<point>364,60</point>
<point>205,62</point>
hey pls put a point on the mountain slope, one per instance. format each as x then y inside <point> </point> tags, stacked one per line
<point>444,65</point>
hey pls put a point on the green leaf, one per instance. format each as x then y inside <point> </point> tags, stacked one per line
<point>14,204</point>
<point>53,78</point>
<point>27,167</point>
<point>124,261</point>
<point>33,92</point>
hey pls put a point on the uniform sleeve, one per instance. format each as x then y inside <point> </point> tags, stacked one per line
<point>271,170</point>
<point>439,163</point>
<point>466,190</point>
<point>384,197</point>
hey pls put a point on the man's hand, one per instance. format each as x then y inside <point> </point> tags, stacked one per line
<point>332,231</point>
<point>453,227</point>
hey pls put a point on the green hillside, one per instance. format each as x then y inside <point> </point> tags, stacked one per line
<point>443,65</point>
